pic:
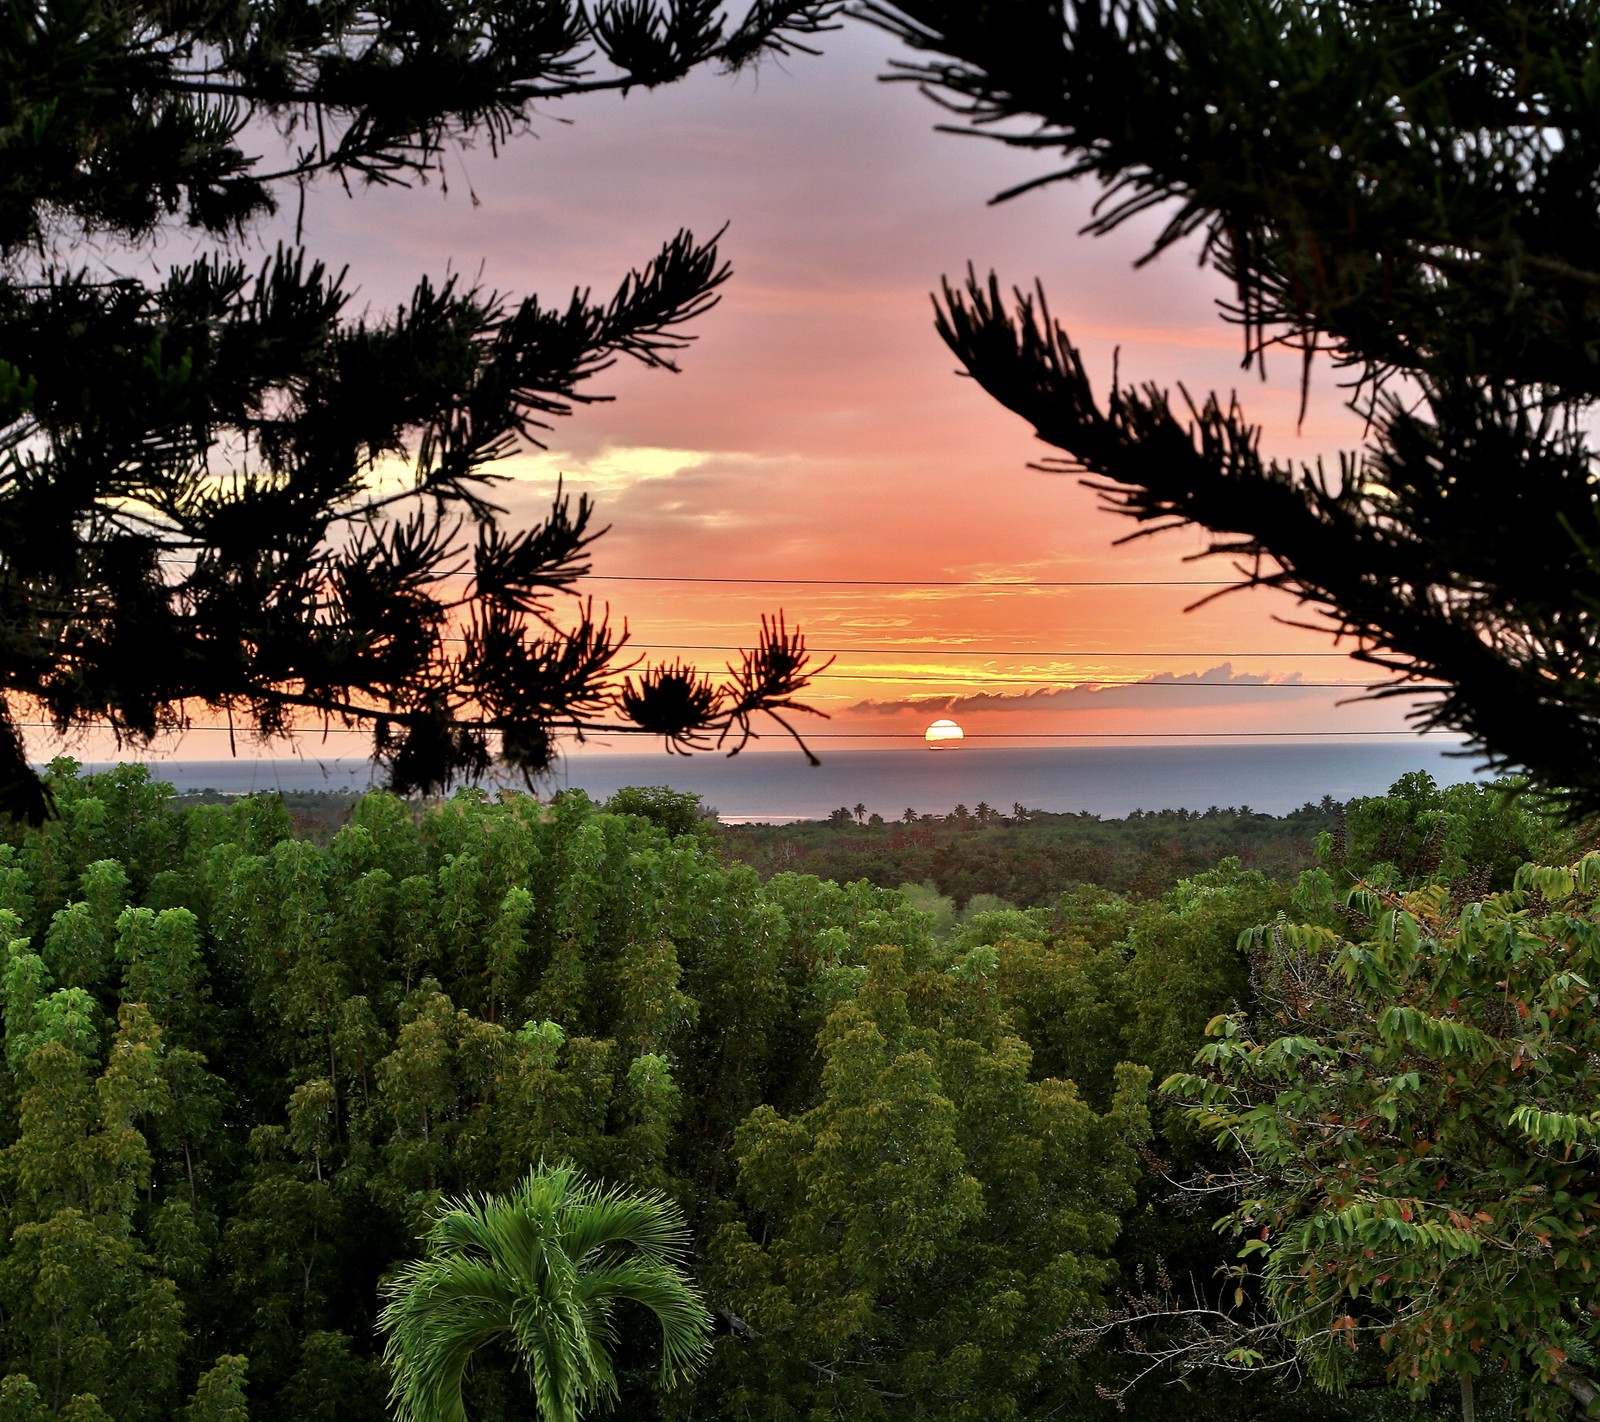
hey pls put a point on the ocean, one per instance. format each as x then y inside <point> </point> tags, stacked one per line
<point>770,786</point>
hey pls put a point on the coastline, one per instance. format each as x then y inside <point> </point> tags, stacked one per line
<point>774,787</point>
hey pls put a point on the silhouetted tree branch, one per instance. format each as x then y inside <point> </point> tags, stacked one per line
<point>219,489</point>
<point>1407,188</point>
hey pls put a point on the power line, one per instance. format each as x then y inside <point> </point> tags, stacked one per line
<point>924,582</point>
<point>1046,684</point>
<point>917,736</point>
<point>958,651</point>
<point>868,582</point>
<point>992,680</point>
<point>948,651</point>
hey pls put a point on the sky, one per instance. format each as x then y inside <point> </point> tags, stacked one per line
<point>818,429</point>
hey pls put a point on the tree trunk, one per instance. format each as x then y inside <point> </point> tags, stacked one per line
<point>1584,1394</point>
<point>1469,1404</point>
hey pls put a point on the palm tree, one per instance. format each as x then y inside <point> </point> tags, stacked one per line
<point>540,1270</point>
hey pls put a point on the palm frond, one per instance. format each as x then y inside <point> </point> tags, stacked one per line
<point>541,1270</point>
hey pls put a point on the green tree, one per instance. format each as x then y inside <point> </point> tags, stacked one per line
<point>667,809</point>
<point>1185,962</point>
<point>1414,1109</point>
<point>909,1245</point>
<point>219,1397</point>
<point>1477,836</point>
<point>222,489</point>
<point>542,1271</point>
<point>89,1313</point>
<point>1407,188</point>
<point>281,1056</point>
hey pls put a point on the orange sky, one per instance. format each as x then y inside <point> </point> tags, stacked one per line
<point>817,429</point>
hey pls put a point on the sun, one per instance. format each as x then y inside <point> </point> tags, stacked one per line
<point>943,735</point>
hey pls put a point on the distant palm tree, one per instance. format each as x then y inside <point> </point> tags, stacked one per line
<point>861,812</point>
<point>539,1270</point>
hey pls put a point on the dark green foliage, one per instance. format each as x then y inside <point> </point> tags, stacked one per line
<point>1408,187</point>
<point>121,116</point>
<point>1184,961</point>
<point>916,1235</point>
<point>1029,858</point>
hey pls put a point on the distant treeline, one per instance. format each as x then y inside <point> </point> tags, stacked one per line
<point>1025,858</point>
<point>1028,857</point>
<point>980,858</point>
<point>316,815</point>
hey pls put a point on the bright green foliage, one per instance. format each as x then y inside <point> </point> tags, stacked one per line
<point>1419,833</point>
<point>667,809</point>
<point>1416,1112</point>
<point>243,1073</point>
<point>219,1397</point>
<point>540,1271</point>
<point>1063,993</point>
<point>909,1245</point>
<point>20,1401</point>
<point>1185,963</point>
<point>87,1307</point>
<point>926,898</point>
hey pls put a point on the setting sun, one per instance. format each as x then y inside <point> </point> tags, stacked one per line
<point>943,735</point>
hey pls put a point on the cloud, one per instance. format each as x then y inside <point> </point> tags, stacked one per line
<point>878,623</point>
<point>610,470</point>
<point>666,506</point>
<point>1229,688</point>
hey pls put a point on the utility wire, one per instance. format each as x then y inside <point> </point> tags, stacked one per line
<point>941,651</point>
<point>866,582</point>
<point>958,651</point>
<point>1110,735</point>
<point>873,582</point>
<point>1046,683</point>
<point>924,582</point>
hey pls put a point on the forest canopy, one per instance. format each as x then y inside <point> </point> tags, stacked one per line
<point>241,1070</point>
